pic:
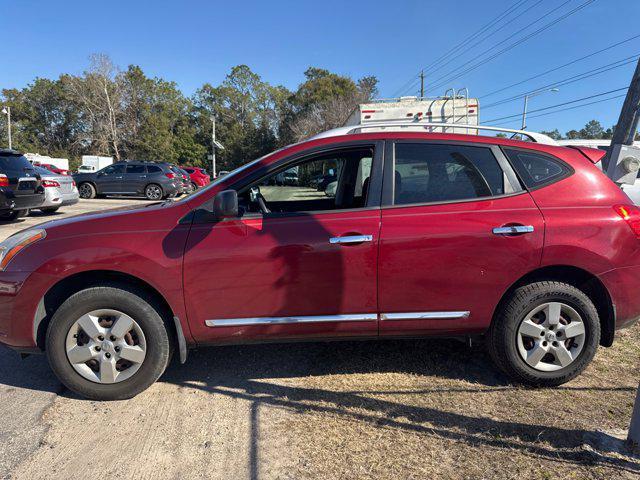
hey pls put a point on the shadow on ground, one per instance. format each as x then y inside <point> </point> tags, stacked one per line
<point>238,372</point>
<point>248,373</point>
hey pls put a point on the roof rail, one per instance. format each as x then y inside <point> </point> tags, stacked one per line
<point>351,129</point>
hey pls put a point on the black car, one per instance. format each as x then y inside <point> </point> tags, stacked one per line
<point>20,185</point>
<point>150,179</point>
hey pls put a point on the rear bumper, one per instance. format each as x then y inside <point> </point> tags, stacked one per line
<point>10,201</point>
<point>55,198</point>
<point>623,285</point>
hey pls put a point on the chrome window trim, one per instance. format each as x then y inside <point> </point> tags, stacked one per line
<point>239,322</point>
<point>425,315</point>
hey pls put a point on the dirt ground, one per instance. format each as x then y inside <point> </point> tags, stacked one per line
<point>397,409</point>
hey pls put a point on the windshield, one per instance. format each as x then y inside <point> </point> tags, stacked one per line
<point>233,173</point>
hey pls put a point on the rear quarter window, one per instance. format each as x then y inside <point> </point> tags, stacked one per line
<point>14,162</point>
<point>537,169</point>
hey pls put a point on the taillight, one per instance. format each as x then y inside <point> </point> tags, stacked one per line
<point>4,181</point>
<point>73,182</point>
<point>631,215</point>
<point>169,175</point>
<point>50,183</point>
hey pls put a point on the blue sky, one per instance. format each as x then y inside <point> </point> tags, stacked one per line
<point>193,42</point>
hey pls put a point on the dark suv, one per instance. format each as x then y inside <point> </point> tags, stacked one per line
<point>20,187</point>
<point>153,180</point>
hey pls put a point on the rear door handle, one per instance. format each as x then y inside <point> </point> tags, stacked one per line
<point>351,239</point>
<point>513,230</point>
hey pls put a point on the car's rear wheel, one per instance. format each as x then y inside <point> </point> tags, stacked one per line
<point>545,334</point>
<point>13,215</point>
<point>194,187</point>
<point>153,192</point>
<point>107,343</point>
<point>86,190</point>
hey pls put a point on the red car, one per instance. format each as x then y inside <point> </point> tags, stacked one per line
<point>52,168</point>
<point>199,176</point>
<point>529,245</point>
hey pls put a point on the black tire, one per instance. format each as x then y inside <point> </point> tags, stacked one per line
<point>49,210</point>
<point>127,300</point>
<point>153,191</point>
<point>14,215</point>
<point>502,336</point>
<point>87,190</point>
<point>194,187</point>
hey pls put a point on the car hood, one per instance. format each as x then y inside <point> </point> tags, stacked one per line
<point>156,216</point>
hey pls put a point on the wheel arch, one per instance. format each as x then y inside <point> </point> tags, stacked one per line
<point>582,280</point>
<point>63,289</point>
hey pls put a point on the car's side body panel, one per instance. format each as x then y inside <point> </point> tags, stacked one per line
<point>437,259</point>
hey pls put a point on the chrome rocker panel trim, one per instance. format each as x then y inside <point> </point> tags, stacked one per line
<point>358,317</point>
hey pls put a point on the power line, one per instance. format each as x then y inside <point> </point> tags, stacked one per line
<point>492,33</point>
<point>560,67</point>
<point>566,81</point>
<point>406,85</point>
<point>559,104</point>
<point>563,109</point>
<point>514,44</point>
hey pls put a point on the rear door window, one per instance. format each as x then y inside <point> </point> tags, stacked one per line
<point>427,173</point>
<point>536,169</point>
<point>153,169</point>
<point>135,169</point>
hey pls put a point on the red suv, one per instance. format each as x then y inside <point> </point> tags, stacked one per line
<point>199,176</point>
<point>526,244</point>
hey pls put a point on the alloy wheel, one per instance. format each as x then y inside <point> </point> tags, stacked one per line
<point>153,192</point>
<point>85,190</point>
<point>551,336</point>
<point>106,346</point>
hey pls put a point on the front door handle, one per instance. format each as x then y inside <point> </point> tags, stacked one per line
<point>513,230</point>
<point>351,239</point>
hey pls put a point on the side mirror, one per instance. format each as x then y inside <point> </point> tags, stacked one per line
<point>225,204</point>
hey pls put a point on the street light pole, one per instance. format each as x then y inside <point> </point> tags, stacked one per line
<point>213,146</point>
<point>7,112</point>
<point>526,104</point>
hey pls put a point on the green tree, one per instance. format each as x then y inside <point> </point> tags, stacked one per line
<point>555,134</point>
<point>592,130</point>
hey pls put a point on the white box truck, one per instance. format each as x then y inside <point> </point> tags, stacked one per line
<point>456,108</point>
<point>93,163</point>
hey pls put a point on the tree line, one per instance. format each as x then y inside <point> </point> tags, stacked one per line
<point>129,115</point>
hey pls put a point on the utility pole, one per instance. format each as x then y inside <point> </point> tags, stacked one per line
<point>634,428</point>
<point>623,160</point>
<point>213,146</point>
<point>526,103</point>
<point>7,112</point>
<point>422,84</point>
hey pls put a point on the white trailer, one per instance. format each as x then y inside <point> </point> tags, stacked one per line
<point>455,108</point>
<point>37,159</point>
<point>93,163</point>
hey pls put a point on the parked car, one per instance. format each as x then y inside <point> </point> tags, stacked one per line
<point>526,244</point>
<point>20,188</point>
<point>59,190</point>
<point>185,181</point>
<point>199,177</point>
<point>153,180</point>
<point>52,168</point>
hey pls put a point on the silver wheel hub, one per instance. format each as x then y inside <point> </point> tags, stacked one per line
<point>551,336</point>
<point>106,346</point>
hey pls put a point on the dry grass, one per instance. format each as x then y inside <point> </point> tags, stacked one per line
<point>443,412</point>
<point>396,409</point>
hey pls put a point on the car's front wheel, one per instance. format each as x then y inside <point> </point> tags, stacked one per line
<point>545,334</point>
<point>107,343</point>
